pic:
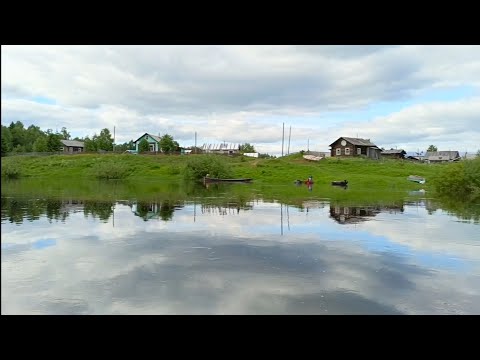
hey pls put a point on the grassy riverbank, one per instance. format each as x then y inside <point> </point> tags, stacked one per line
<point>387,174</point>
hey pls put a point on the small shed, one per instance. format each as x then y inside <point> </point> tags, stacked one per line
<point>72,146</point>
<point>394,153</point>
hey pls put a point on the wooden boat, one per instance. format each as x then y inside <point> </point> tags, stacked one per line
<point>299,182</point>
<point>340,183</point>
<point>312,157</point>
<point>416,178</point>
<point>242,180</point>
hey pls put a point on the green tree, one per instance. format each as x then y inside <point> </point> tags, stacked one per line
<point>247,148</point>
<point>104,140</point>
<point>432,148</point>
<point>89,144</point>
<point>478,153</point>
<point>18,134</point>
<point>143,146</point>
<point>53,141</point>
<point>65,134</point>
<point>31,135</point>
<point>4,146</point>
<point>40,145</point>
<point>7,144</point>
<point>167,144</point>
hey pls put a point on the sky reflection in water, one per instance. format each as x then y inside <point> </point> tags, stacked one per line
<point>259,257</point>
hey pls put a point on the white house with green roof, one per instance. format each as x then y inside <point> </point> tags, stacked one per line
<point>153,142</point>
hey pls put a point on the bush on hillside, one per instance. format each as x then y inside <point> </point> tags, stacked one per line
<point>110,170</point>
<point>460,180</point>
<point>11,170</point>
<point>214,165</point>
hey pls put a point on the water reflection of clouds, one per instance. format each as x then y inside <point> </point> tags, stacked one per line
<point>225,266</point>
<point>176,274</point>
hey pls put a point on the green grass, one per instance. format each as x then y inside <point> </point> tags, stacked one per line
<point>364,176</point>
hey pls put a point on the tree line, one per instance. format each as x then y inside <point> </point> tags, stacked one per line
<point>18,139</point>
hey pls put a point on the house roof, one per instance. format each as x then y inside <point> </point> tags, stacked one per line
<point>393,151</point>
<point>73,143</point>
<point>155,137</point>
<point>356,141</point>
<point>448,154</point>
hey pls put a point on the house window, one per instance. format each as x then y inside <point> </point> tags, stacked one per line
<point>338,152</point>
<point>359,151</point>
<point>347,151</point>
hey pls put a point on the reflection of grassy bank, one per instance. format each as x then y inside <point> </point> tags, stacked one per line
<point>173,193</point>
<point>465,210</point>
<point>188,191</point>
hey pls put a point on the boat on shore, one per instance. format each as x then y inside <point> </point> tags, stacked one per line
<point>300,182</point>
<point>208,179</point>
<point>312,157</point>
<point>416,178</point>
<point>340,183</point>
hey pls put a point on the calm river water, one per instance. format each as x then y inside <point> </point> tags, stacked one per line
<point>211,253</point>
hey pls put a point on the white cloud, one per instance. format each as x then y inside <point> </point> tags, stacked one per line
<point>224,92</point>
<point>452,125</point>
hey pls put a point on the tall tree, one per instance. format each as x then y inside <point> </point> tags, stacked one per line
<point>65,134</point>
<point>4,146</point>
<point>167,144</point>
<point>40,145</point>
<point>247,148</point>
<point>104,140</point>
<point>31,135</point>
<point>53,142</point>
<point>432,148</point>
<point>7,144</point>
<point>90,144</point>
<point>18,134</point>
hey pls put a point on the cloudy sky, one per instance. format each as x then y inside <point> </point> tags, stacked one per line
<point>398,96</point>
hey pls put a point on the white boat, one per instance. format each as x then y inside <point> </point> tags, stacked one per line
<point>416,178</point>
<point>312,157</point>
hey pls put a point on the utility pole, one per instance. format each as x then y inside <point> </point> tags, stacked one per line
<point>195,142</point>
<point>289,135</point>
<point>113,138</point>
<point>283,135</point>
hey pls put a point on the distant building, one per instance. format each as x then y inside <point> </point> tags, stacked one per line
<point>153,142</point>
<point>72,146</point>
<point>346,146</point>
<point>223,148</point>
<point>442,156</point>
<point>394,153</point>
